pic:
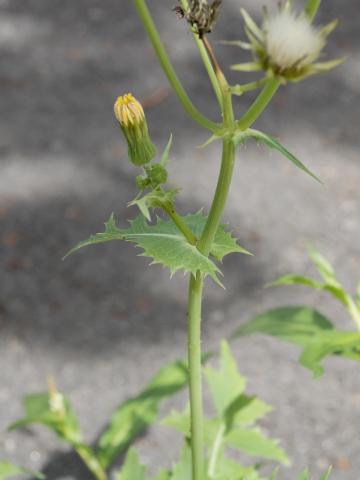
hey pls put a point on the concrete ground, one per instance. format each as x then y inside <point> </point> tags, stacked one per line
<point>102,322</point>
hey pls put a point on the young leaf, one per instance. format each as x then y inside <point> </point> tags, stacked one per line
<point>334,342</point>
<point>162,242</point>
<point>298,325</point>
<point>291,279</point>
<point>54,411</point>
<point>253,442</point>
<point>132,416</point>
<point>226,383</point>
<point>39,408</point>
<point>324,267</point>
<point>132,469</point>
<point>8,470</point>
<point>165,156</point>
<point>273,143</point>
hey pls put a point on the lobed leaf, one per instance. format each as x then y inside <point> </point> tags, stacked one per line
<point>166,245</point>
<point>225,384</point>
<point>253,442</point>
<point>162,242</point>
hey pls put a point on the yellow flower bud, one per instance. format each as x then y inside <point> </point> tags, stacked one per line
<point>130,114</point>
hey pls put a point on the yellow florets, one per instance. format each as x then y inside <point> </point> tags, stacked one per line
<point>128,111</point>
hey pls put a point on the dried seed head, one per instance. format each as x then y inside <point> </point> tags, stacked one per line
<point>291,41</point>
<point>201,15</point>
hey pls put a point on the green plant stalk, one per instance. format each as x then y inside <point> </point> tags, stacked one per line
<point>311,8</point>
<point>179,222</point>
<point>196,285</point>
<point>259,104</point>
<point>195,294</point>
<point>189,107</point>
<point>91,462</point>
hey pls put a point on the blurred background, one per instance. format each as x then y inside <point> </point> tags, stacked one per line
<point>102,322</point>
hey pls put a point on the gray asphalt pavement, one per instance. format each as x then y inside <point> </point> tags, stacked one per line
<point>102,322</point>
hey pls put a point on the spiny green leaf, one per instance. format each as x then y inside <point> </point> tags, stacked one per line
<point>226,383</point>
<point>132,468</point>
<point>273,143</point>
<point>8,470</point>
<point>132,416</point>
<point>111,233</point>
<point>224,243</point>
<point>166,245</point>
<point>253,442</point>
<point>327,344</point>
<point>296,324</point>
<point>162,242</point>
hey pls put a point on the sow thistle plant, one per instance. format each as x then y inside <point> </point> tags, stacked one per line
<point>287,47</point>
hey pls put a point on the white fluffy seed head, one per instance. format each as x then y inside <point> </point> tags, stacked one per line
<point>291,41</point>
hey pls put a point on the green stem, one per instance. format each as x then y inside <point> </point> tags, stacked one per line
<point>92,463</point>
<point>206,60</point>
<point>259,104</point>
<point>168,69</point>
<point>311,8</point>
<point>195,382</point>
<point>221,193</point>
<point>179,222</point>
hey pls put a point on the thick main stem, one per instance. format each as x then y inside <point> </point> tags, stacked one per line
<point>221,193</point>
<point>195,382</point>
<point>195,293</point>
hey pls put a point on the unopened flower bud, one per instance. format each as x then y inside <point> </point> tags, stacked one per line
<point>157,174</point>
<point>130,114</point>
